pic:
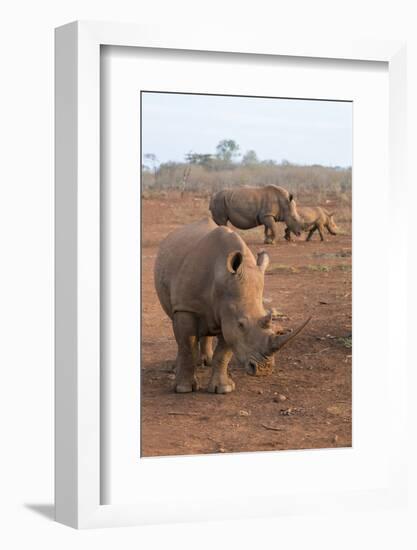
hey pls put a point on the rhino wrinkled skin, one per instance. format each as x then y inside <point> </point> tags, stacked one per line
<point>210,284</point>
<point>247,207</point>
<point>314,218</point>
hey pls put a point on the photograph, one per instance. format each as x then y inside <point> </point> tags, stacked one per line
<point>246,273</point>
<point>208,298</point>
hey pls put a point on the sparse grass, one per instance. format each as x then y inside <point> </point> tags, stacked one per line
<point>319,267</point>
<point>322,182</point>
<point>323,268</point>
<point>346,342</point>
<point>282,267</point>
<point>342,254</point>
<point>343,232</point>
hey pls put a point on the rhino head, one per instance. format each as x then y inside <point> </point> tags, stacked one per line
<point>331,224</point>
<point>291,216</point>
<point>246,327</point>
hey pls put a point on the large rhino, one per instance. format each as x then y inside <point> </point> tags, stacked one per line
<point>314,218</point>
<point>247,207</point>
<point>209,284</point>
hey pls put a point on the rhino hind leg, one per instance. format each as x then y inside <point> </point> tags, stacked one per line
<point>185,330</point>
<point>206,350</point>
<point>220,381</point>
<point>220,219</point>
<point>270,233</point>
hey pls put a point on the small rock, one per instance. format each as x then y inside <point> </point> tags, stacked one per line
<point>221,450</point>
<point>171,376</point>
<point>244,413</point>
<point>260,392</point>
<point>335,439</point>
<point>281,397</point>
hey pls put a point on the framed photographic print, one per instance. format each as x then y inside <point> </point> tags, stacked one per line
<point>225,344</point>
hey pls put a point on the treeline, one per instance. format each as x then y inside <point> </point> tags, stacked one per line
<point>205,173</point>
<point>182,177</point>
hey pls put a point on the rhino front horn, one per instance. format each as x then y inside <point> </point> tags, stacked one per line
<point>280,340</point>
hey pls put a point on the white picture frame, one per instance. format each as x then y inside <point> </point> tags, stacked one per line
<point>77,242</point>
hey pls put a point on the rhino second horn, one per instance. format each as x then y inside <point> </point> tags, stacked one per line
<point>266,320</point>
<point>262,260</point>
<point>279,341</point>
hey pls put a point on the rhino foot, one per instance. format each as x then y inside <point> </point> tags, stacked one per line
<point>221,384</point>
<point>269,240</point>
<point>187,387</point>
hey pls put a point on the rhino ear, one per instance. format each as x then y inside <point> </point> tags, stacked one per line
<point>262,261</point>
<point>234,261</point>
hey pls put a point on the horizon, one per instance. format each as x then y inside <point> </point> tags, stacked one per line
<point>302,132</point>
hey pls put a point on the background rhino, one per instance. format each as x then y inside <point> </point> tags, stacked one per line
<point>314,218</point>
<point>247,207</point>
<point>209,284</point>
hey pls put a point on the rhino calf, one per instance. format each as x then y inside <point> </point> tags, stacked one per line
<point>210,284</point>
<point>247,207</point>
<point>314,219</point>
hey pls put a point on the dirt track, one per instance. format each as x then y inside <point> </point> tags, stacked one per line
<point>306,402</point>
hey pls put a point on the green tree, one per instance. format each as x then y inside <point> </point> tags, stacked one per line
<point>250,158</point>
<point>227,150</point>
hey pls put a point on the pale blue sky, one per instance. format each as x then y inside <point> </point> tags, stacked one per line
<point>301,131</point>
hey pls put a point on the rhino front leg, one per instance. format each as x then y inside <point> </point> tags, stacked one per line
<point>270,233</point>
<point>287,234</point>
<point>185,331</point>
<point>320,229</point>
<point>310,233</point>
<point>206,350</point>
<point>220,381</point>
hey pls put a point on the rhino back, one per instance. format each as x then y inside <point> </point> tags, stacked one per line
<point>246,206</point>
<point>171,254</point>
<point>197,284</point>
<point>311,214</point>
<point>187,275</point>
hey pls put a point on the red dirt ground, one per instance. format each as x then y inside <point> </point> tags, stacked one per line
<point>306,402</point>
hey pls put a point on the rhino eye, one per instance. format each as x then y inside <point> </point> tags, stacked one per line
<point>242,324</point>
